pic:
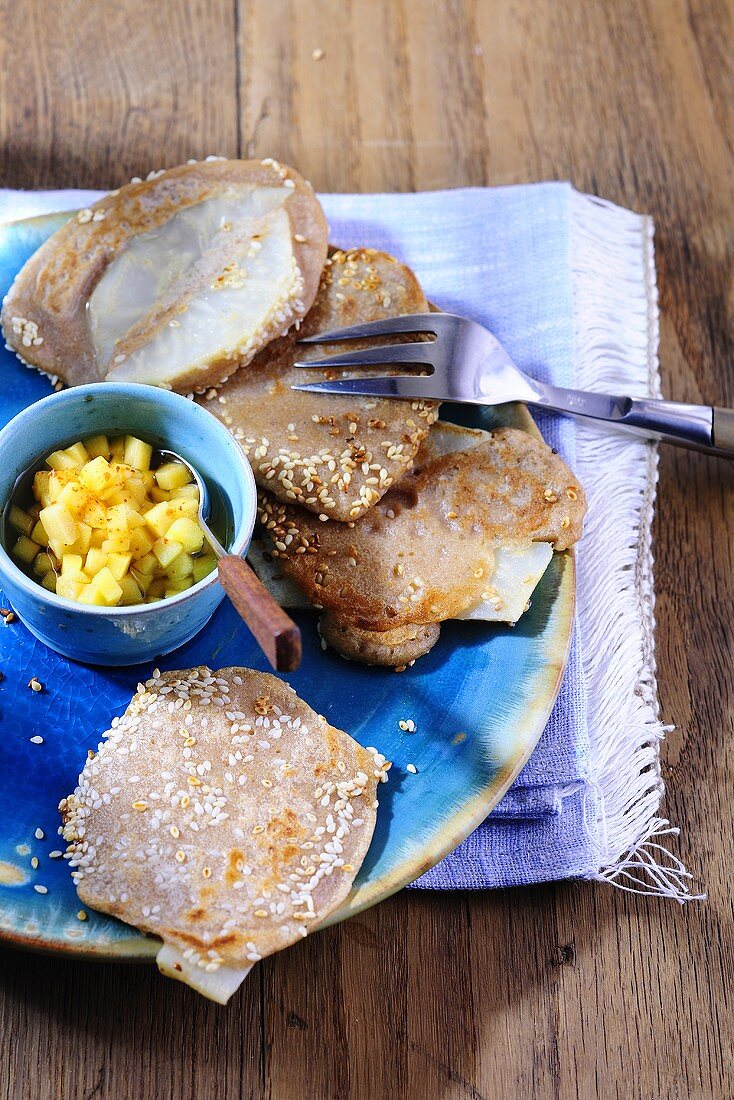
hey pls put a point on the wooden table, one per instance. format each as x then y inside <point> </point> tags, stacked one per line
<point>565,991</point>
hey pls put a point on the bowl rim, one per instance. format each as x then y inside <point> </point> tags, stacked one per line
<point>131,390</point>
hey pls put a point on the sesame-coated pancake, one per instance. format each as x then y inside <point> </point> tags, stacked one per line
<point>334,455</point>
<point>222,814</point>
<point>172,281</point>
<point>425,552</point>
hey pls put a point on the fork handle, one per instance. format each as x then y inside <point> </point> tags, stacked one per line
<point>700,427</point>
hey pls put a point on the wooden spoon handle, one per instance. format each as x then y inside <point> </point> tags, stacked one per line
<point>276,633</point>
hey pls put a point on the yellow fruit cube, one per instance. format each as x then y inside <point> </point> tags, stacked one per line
<point>94,513</point>
<point>137,453</point>
<point>117,448</point>
<point>61,460</point>
<point>98,537</point>
<point>131,593</point>
<point>90,595</point>
<point>188,532</point>
<point>49,581</point>
<point>203,566</point>
<point>160,517</point>
<point>186,492</point>
<point>147,564</point>
<point>117,544</point>
<point>118,565</point>
<point>140,544</point>
<point>40,486</point>
<point>175,587</point>
<point>157,587</point>
<point>71,564</point>
<point>158,495</point>
<point>20,520</point>
<point>38,534</point>
<point>142,580</point>
<point>83,541</point>
<point>106,584</point>
<point>77,453</point>
<point>95,560</point>
<point>98,445</point>
<point>60,524</point>
<point>43,564</point>
<point>166,551</point>
<point>97,475</point>
<point>180,568</point>
<point>172,475</point>
<point>71,587</point>
<point>25,550</point>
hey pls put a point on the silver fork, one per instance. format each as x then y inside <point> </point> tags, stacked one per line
<point>466,363</point>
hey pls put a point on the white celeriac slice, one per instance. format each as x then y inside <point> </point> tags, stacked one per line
<point>204,286</point>
<point>216,985</point>
<point>517,571</point>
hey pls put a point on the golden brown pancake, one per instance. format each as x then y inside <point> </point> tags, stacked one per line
<point>336,456</point>
<point>425,552</point>
<point>222,814</point>
<point>174,281</point>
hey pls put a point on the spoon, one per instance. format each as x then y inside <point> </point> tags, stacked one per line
<point>275,632</point>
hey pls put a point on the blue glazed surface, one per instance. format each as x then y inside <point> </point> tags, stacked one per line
<point>479,700</point>
<point>123,636</point>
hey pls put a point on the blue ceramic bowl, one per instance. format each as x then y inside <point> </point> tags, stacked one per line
<point>123,635</point>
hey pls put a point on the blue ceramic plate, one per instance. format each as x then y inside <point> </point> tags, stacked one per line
<point>479,700</point>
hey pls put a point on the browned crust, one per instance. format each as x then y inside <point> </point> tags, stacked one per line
<point>388,648</point>
<point>442,522</point>
<point>53,287</point>
<point>335,438</point>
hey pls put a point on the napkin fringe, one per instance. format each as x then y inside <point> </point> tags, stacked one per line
<point>616,324</point>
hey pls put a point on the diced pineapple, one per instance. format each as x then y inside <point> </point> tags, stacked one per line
<point>98,537</point>
<point>142,580</point>
<point>98,445</point>
<point>131,592</point>
<point>84,540</point>
<point>186,492</point>
<point>158,495</point>
<point>181,567</point>
<point>203,566</point>
<point>166,551</point>
<point>157,587</point>
<point>25,550</point>
<point>71,587</point>
<point>71,564</point>
<point>97,475</point>
<point>147,564</point>
<point>140,543</point>
<point>137,453</point>
<point>90,595</point>
<point>38,534</point>
<point>173,475</point>
<point>160,517</point>
<point>95,560</point>
<point>40,486</point>
<point>20,520</point>
<point>175,587</point>
<point>188,533</point>
<point>117,448</point>
<point>118,565</point>
<point>78,453</point>
<point>43,564</point>
<point>60,524</point>
<point>61,460</point>
<point>49,580</point>
<point>105,583</point>
<point>118,544</point>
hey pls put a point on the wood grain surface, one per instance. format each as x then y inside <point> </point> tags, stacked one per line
<point>568,991</point>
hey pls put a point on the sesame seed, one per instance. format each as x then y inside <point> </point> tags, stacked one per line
<point>82,914</point>
<point>34,862</point>
<point>411,768</point>
<point>40,889</point>
<point>36,739</point>
<point>39,834</point>
<point>317,54</point>
<point>35,684</point>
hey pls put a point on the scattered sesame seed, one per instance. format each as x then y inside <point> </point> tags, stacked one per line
<point>39,834</point>
<point>34,862</point>
<point>36,739</point>
<point>40,889</point>
<point>35,684</point>
<point>411,768</point>
<point>317,54</point>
